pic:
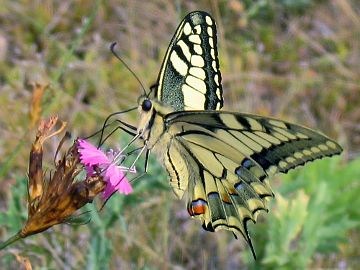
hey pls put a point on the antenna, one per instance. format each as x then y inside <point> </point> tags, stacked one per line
<point>112,46</point>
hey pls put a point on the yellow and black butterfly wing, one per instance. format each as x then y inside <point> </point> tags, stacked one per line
<point>189,77</point>
<point>227,159</point>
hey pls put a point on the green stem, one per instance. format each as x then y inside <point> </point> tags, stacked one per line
<point>11,240</point>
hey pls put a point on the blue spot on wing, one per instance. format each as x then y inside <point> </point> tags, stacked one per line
<point>213,195</point>
<point>239,186</point>
<point>247,163</point>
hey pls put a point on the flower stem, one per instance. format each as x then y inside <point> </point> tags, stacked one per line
<point>11,240</point>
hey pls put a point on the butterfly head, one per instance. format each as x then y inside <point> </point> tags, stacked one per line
<point>146,105</point>
<point>151,112</point>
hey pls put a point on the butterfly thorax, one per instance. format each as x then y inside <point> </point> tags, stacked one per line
<point>151,125</point>
<point>160,139</point>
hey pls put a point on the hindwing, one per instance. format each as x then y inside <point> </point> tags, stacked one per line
<point>232,156</point>
<point>189,77</point>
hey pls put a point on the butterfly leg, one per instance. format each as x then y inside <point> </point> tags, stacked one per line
<point>121,122</point>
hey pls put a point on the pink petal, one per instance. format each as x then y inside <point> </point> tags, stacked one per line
<point>109,190</point>
<point>124,187</point>
<point>114,175</point>
<point>116,181</point>
<point>89,170</point>
<point>90,155</point>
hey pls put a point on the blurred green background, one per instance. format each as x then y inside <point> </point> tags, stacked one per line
<point>298,60</point>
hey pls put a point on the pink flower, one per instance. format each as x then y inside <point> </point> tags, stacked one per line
<point>114,175</point>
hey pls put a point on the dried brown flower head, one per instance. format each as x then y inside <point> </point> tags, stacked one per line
<point>55,196</point>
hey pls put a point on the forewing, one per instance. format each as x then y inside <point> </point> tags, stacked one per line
<point>271,144</point>
<point>190,78</point>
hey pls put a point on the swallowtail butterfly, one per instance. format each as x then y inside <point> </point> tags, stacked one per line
<point>221,161</point>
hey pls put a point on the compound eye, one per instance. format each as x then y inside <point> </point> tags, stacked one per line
<point>146,105</point>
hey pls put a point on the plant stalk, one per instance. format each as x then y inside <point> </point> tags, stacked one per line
<point>11,240</point>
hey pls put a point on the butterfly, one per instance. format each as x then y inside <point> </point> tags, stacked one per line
<point>220,161</point>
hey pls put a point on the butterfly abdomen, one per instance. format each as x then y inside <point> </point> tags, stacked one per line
<point>177,163</point>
